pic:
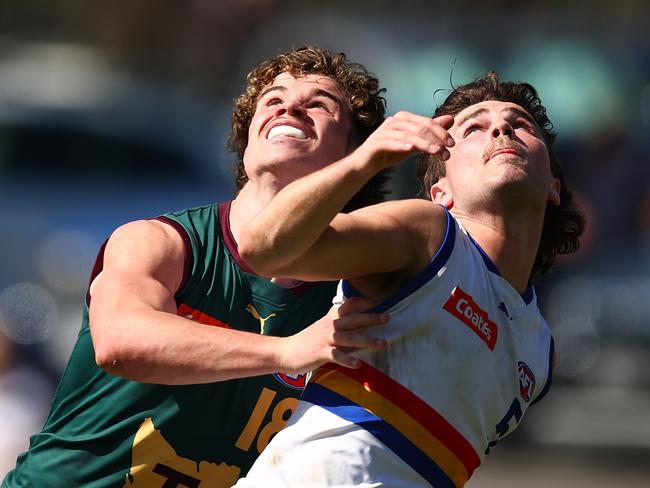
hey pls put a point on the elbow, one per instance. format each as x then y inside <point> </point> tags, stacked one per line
<point>256,255</point>
<point>108,355</point>
<point>119,361</point>
<point>111,352</point>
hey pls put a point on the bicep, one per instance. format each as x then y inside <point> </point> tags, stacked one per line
<point>143,268</point>
<point>380,239</point>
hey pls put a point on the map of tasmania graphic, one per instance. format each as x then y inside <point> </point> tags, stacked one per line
<point>156,464</point>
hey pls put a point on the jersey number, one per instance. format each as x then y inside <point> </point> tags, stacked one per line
<point>503,426</point>
<point>279,416</point>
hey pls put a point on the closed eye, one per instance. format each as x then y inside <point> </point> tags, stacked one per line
<point>471,129</point>
<point>525,125</point>
<point>326,105</point>
<point>273,101</point>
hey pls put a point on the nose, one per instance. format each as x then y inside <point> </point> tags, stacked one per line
<point>292,108</point>
<point>501,128</point>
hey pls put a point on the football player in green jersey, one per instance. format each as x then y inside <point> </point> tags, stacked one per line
<point>187,362</point>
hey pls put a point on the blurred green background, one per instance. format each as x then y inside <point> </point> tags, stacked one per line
<point>115,111</point>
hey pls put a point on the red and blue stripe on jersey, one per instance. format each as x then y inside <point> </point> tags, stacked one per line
<point>398,418</point>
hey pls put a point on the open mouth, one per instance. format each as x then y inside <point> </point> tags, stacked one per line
<point>286,131</point>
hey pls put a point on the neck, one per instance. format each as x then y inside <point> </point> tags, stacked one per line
<point>247,204</point>
<point>250,201</point>
<point>510,242</point>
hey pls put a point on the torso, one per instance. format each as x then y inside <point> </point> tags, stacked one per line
<point>467,355</point>
<point>195,435</point>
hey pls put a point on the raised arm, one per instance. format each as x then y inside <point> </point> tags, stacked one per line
<point>138,335</point>
<point>301,234</point>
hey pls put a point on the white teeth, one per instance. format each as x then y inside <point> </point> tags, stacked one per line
<point>286,130</point>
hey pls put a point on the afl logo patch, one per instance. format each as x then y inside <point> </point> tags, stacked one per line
<point>526,381</point>
<point>297,382</point>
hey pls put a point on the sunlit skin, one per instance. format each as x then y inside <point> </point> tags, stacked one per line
<point>317,107</point>
<point>498,181</point>
<point>499,151</point>
<point>144,262</point>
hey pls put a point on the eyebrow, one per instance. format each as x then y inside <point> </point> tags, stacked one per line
<point>270,89</point>
<point>317,92</point>
<point>480,111</point>
<point>471,115</point>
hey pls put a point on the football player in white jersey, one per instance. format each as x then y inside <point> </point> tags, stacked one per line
<point>468,350</point>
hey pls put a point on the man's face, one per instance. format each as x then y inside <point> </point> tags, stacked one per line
<point>300,125</point>
<point>498,145</point>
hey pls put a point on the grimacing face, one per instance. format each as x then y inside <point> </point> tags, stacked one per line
<point>497,145</point>
<point>300,125</point>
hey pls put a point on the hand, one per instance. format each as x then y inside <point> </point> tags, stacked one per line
<point>332,338</point>
<point>403,134</point>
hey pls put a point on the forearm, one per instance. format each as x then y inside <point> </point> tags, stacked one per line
<point>157,347</point>
<point>163,348</point>
<point>298,215</point>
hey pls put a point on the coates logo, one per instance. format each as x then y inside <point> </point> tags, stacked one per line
<point>463,307</point>
<point>526,381</point>
<point>297,382</point>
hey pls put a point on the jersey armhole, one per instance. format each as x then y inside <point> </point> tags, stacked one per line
<point>97,268</point>
<point>430,270</point>
<point>189,254</point>
<point>549,376</point>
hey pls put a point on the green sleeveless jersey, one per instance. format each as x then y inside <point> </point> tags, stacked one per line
<point>106,431</point>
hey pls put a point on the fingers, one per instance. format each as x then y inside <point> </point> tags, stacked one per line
<point>347,335</point>
<point>354,305</point>
<point>351,315</point>
<point>415,132</point>
<point>333,337</point>
<point>343,354</point>
<point>356,340</point>
<point>358,321</point>
<point>344,359</point>
<point>445,121</point>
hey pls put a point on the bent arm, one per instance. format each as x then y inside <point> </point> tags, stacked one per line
<point>137,334</point>
<point>301,234</point>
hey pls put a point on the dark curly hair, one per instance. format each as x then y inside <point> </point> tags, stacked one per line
<point>564,223</point>
<point>367,107</point>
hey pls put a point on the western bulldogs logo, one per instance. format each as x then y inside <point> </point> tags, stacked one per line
<point>297,382</point>
<point>526,381</point>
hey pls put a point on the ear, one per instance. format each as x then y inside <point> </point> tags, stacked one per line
<point>441,193</point>
<point>554,192</point>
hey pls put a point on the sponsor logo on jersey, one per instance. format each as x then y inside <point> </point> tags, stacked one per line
<point>504,309</point>
<point>297,382</point>
<point>526,381</point>
<point>463,307</point>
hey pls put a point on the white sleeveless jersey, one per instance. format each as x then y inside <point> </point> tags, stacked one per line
<point>467,355</point>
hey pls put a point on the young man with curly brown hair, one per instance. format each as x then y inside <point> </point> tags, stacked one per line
<point>187,361</point>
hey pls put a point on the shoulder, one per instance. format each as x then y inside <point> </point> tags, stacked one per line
<point>405,214</point>
<point>143,249</point>
<point>145,241</point>
<point>408,209</point>
<point>145,231</point>
<point>423,219</point>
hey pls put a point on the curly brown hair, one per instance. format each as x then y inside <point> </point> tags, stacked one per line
<point>367,107</point>
<point>563,223</point>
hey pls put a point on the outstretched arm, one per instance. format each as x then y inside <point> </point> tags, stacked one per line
<point>137,333</point>
<point>301,233</point>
